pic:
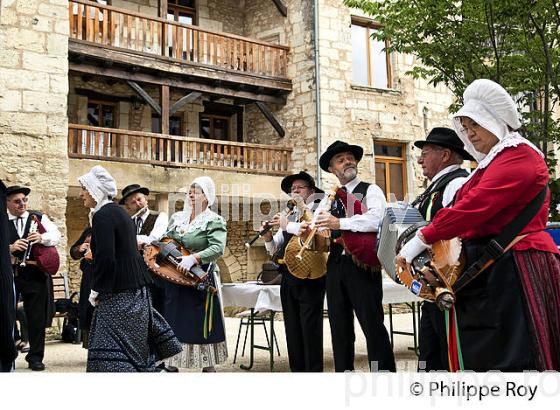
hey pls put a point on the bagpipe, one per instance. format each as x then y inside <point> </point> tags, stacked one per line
<point>163,257</point>
<point>46,258</point>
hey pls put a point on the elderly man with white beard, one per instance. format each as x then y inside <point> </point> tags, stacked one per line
<point>353,288</point>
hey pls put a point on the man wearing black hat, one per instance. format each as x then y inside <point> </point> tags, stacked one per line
<point>441,157</point>
<point>34,286</point>
<point>302,299</point>
<point>150,226</point>
<point>351,288</point>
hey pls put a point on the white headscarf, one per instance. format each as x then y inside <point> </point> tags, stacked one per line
<point>208,187</point>
<point>489,105</point>
<point>100,185</point>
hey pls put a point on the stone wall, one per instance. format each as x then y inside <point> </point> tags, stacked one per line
<point>33,103</point>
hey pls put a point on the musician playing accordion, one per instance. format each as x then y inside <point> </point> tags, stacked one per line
<point>302,298</point>
<point>354,282</point>
<point>441,157</point>
<point>508,312</point>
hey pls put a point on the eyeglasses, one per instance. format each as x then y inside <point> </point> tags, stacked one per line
<point>20,201</point>
<point>425,153</point>
<point>298,188</point>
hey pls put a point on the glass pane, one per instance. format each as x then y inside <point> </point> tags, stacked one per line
<point>220,129</point>
<point>93,115</point>
<point>156,124</point>
<point>396,177</point>
<point>380,176</point>
<point>388,150</point>
<point>186,3</point>
<point>185,18</point>
<point>108,116</point>
<point>359,55</point>
<point>378,63</point>
<point>205,127</point>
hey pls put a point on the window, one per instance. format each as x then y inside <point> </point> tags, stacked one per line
<point>214,127</point>
<point>371,64</point>
<point>182,11</point>
<point>102,114</point>
<point>390,169</point>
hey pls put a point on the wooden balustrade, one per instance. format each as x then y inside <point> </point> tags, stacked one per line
<point>108,144</point>
<point>111,26</point>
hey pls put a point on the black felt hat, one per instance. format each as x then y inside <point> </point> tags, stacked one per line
<point>287,182</point>
<point>16,189</point>
<point>336,148</point>
<point>446,138</point>
<point>132,189</point>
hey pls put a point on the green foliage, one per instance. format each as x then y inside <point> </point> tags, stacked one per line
<point>513,42</point>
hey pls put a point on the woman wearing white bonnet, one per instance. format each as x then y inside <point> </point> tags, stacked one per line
<point>127,334</point>
<point>198,323</point>
<point>509,315</point>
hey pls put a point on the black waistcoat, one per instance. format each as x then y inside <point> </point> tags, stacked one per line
<point>337,209</point>
<point>433,195</point>
<point>149,223</point>
<point>14,234</point>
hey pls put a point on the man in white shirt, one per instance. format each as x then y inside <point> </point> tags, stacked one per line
<point>352,288</point>
<point>441,158</point>
<point>302,299</point>
<point>34,285</point>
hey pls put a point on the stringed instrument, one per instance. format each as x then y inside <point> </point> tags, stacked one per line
<point>163,257</point>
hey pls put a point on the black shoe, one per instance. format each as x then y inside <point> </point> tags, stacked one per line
<point>168,369</point>
<point>37,366</point>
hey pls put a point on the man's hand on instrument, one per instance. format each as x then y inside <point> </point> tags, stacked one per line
<point>19,245</point>
<point>187,262</point>
<point>303,228</point>
<point>267,236</point>
<point>327,220</point>
<point>84,248</point>
<point>35,237</point>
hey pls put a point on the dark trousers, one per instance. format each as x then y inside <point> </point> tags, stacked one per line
<point>6,367</point>
<point>353,289</point>
<point>31,284</point>
<point>433,339</point>
<point>302,306</point>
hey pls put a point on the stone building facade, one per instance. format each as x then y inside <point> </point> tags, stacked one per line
<point>41,93</point>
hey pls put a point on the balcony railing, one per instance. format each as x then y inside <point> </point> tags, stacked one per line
<point>109,144</point>
<point>110,26</point>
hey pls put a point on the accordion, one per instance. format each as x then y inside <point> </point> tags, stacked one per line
<point>431,274</point>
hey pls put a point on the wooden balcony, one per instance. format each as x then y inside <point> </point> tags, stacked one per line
<point>108,144</point>
<point>98,31</point>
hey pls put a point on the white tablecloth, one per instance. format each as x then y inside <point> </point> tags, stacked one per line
<point>267,297</point>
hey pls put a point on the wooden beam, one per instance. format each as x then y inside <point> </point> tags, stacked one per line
<point>281,7</point>
<point>173,82</point>
<point>270,117</point>
<point>187,99</point>
<point>164,100</point>
<point>163,9</point>
<point>155,106</point>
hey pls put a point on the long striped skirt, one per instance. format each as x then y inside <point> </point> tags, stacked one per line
<point>128,335</point>
<point>539,273</point>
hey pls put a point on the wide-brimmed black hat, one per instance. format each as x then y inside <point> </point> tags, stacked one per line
<point>16,189</point>
<point>287,182</point>
<point>336,148</point>
<point>447,138</point>
<point>132,189</point>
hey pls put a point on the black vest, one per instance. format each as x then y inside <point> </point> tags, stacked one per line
<point>149,223</point>
<point>431,200</point>
<point>13,234</point>
<point>338,210</point>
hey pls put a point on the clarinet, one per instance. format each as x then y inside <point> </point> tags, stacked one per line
<point>290,206</point>
<point>27,255</point>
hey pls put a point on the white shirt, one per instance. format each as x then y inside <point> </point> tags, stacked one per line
<point>452,187</point>
<point>160,227</point>
<point>278,238</point>
<point>375,203</point>
<point>50,238</point>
